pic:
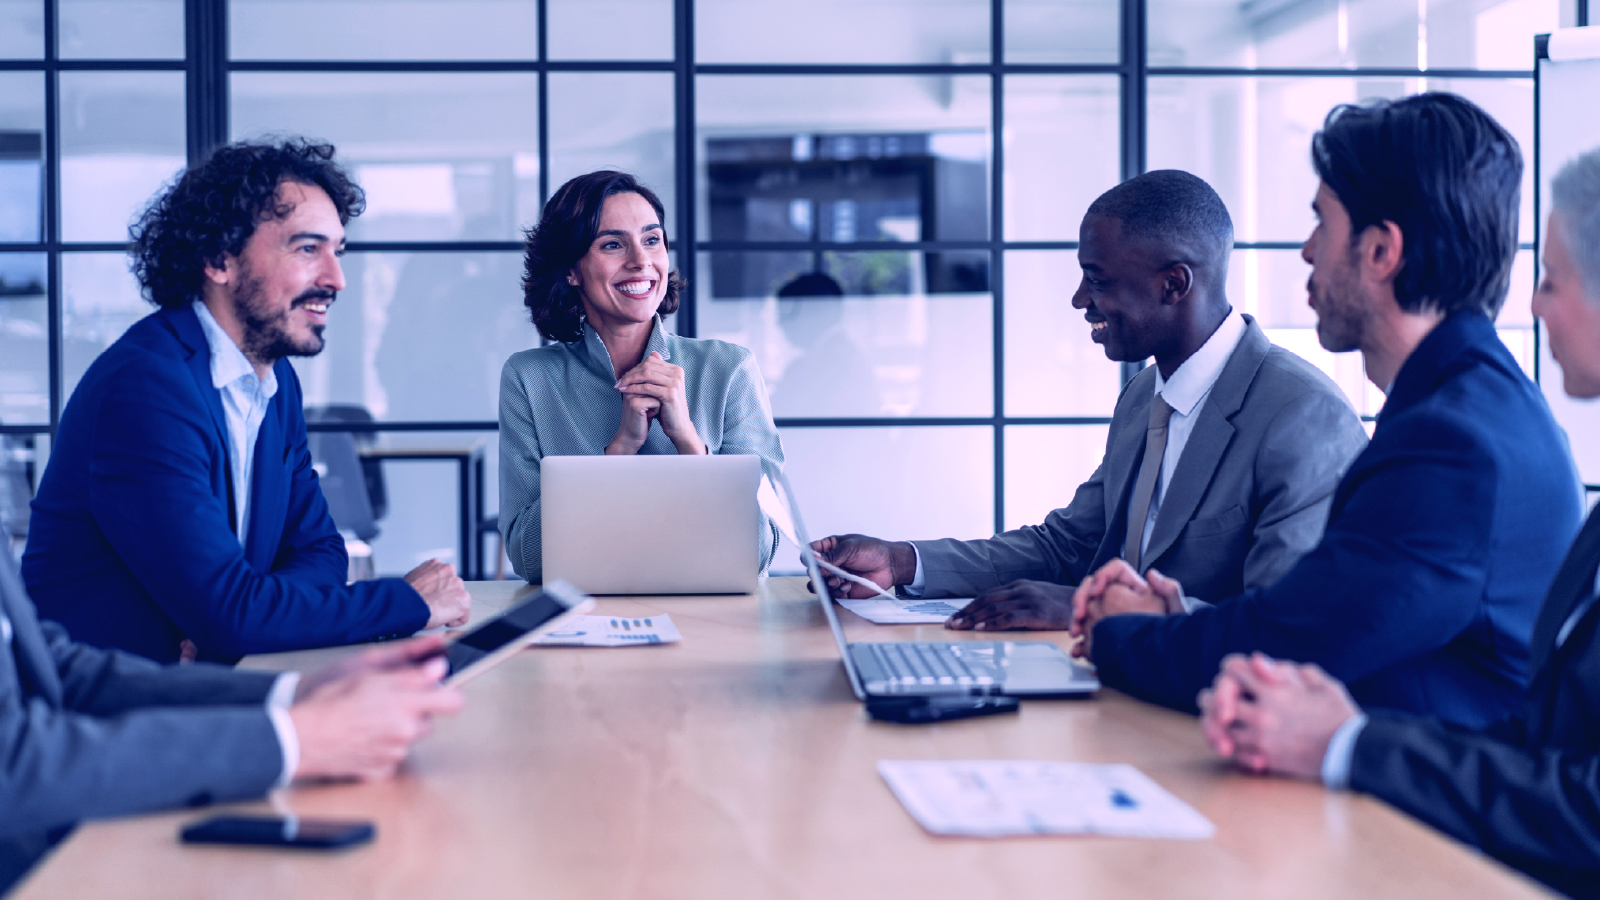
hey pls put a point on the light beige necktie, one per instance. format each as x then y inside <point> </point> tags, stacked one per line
<point>1155,446</point>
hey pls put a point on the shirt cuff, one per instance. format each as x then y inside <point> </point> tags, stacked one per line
<point>1190,604</point>
<point>1341,750</point>
<point>919,581</point>
<point>279,699</point>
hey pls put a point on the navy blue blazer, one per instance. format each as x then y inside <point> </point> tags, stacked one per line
<point>1441,541</point>
<point>132,544</point>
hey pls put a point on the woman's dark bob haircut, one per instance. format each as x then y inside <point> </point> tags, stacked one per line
<point>214,208</point>
<point>1445,172</point>
<point>570,222</point>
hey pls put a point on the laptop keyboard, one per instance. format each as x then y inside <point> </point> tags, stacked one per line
<point>919,663</point>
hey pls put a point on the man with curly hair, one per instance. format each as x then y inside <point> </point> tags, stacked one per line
<point>179,516</point>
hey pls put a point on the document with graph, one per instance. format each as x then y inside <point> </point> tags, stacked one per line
<point>906,610</point>
<point>996,798</point>
<point>612,631</point>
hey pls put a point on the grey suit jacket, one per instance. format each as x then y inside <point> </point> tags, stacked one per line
<point>87,733</point>
<point>1249,497</point>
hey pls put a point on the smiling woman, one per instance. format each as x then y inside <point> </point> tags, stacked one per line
<point>597,280</point>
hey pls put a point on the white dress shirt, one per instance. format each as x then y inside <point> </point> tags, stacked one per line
<point>244,406</point>
<point>1186,393</point>
<point>245,399</point>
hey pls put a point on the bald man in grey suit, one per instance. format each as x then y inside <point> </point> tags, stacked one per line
<point>88,733</point>
<point>1222,458</point>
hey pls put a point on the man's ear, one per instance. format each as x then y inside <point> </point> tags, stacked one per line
<point>222,275</point>
<point>1382,250</point>
<point>1176,282</point>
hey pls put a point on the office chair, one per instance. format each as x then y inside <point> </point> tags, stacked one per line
<point>347,484</point>
<point>371,469</point>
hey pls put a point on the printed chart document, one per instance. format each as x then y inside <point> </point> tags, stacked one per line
<point>995,798</point>
<point>611,631</point>
<point>906,610</point>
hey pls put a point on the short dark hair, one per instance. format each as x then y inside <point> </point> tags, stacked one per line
<point>1448,175</point>
<point>211,211</point>
<point>1177,210</point>
<point>566,229</point>
<point>811,284</point>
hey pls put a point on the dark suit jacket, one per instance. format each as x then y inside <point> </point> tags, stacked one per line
<point>1441,541</point>
<point>1526,790</point>
<point>132,542</point>
<point>1249,496</point>
<point>88,733</point>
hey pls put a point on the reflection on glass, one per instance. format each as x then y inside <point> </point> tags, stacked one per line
<point>21,156</point>
<point>1062,150</point>
<point>841,31</point>
<point>21,29</point>
<point>1044,466</point>
<point>382,29</point>
<point>1484,34</point>
<point>1251,138</point>
<point>122,137</point>
<point>618,120</point>
<point>610,29</point>
<point>121,29</point>
<point>24,353</point>
<point>877,342</point>
<point>442,156</point>
<point>421,336</point>
<point>99,301</point>
<point>1061,31</point>
<point>894,483</point>
<point>1053,366</point>
<point>844,158</point>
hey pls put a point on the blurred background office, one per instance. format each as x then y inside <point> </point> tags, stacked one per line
<point>932,158</point>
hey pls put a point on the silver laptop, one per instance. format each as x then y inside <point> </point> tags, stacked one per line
<point>651,524</point>
<point>943,668</point>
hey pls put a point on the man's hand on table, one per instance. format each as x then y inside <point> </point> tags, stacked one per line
<point>1273,716</point>
<point>443,591</point>
<point>881,562</point>
<point>358,718</point>
<point>1036,605</point>
<point>1117,590</point>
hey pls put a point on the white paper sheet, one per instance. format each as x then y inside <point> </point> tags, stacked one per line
<point>995,798</point>
<point>906,610</point>
<point>612,631</point>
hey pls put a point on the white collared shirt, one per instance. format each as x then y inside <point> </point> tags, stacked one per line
<point>244,406</point>
<point>1186,393</point>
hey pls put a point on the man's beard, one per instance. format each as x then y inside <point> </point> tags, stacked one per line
<point>266,332</point>
<point>1341,310</point>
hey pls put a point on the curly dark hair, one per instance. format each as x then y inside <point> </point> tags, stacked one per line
<point>566,229</point>
<point>210,212</point>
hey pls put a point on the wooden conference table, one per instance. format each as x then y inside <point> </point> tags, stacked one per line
<point>736,764</point>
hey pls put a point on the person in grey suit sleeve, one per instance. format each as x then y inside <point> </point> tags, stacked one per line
<point>1526,789</point>
<point>88,733</point>
<point>1236,482</point>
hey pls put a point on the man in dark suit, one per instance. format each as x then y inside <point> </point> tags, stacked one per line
<point>179,515</point>
<point>1221,458</point>
<point>1424,589</point>
<point>88,733</point>
<point>1526,790</point>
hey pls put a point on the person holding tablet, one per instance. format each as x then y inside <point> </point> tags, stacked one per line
<point>613,380</point>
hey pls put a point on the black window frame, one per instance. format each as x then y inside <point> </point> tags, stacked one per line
<point>207,66</point>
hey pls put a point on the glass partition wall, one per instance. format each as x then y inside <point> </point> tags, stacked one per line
<point>931,158</point>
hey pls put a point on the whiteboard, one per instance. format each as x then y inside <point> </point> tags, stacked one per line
<point>1568,83</point>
